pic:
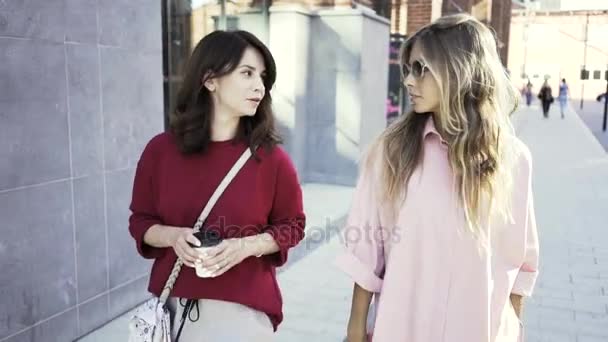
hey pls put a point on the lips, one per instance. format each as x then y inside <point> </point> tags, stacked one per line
<point>255,99</point>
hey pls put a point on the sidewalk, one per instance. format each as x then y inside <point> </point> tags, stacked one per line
<point>571,196</point>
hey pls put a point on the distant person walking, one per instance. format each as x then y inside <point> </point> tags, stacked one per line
<point>546,98</point>
<point>528,93</point>
<point>564,93</point>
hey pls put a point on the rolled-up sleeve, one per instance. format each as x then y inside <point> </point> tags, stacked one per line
<point>287,219</point>
<point>528,271</point>
<point>363,257</point>
<point>144,212</point>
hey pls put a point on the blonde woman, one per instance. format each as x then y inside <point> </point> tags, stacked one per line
<point>442,231</point>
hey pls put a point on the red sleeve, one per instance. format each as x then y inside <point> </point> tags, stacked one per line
<point>144,213</point>
<point>287,219</point>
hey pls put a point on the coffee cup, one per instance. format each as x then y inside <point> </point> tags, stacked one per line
<point>208,239</point>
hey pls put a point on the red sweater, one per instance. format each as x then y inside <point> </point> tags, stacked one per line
<point>172,189</point>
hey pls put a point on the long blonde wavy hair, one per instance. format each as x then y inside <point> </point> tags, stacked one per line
<point>476,100</point>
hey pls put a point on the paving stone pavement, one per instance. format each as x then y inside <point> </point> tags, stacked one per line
<point>571,196</point>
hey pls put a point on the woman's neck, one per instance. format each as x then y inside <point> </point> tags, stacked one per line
<point>224,127</point>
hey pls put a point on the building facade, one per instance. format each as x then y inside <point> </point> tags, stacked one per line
<point>80,94</point>
<point>566,5</point>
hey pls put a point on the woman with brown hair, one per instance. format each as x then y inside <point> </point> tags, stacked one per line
<point>223,108</point>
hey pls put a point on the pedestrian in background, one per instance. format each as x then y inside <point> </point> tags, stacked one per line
<point>546,98</point>
<point>528,93</point>
<point>442,233</point>
<point>564,94</point>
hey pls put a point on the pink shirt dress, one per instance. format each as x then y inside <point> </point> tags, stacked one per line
<point>431,281</point>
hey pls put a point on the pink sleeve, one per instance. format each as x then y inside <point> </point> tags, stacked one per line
<point>528,271</point>
<point>363,258</point>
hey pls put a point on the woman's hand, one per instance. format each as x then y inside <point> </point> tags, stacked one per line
<point>356,331</point>
<point>179,243</point>
<point>356,337</point>
<point>518,304</point>
<point>226,255</point>
<point>357,322</point>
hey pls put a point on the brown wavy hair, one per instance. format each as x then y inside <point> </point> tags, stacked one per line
<point>217,55</point>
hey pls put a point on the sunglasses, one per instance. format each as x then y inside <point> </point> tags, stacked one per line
<point>417,69</point>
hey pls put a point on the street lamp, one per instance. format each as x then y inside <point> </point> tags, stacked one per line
<point>585,59</point>
<point>605,100</point>
<point>524,72</point>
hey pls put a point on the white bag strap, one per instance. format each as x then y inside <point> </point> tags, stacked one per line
<point>201,219</point>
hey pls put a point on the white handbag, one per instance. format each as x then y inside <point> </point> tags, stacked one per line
<point>151,322</point>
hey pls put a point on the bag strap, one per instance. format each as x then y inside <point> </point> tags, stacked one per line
<point>201,219</point>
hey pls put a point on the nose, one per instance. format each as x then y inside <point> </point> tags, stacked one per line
<point>259,85</point>
<point>409,80</point>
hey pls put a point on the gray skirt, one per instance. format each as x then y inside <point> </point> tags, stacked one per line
<point>221,321</point>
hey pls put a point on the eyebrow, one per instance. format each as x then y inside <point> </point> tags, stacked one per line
<point>250,67</point>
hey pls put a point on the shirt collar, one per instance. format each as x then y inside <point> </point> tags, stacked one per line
<point>429,128</point>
